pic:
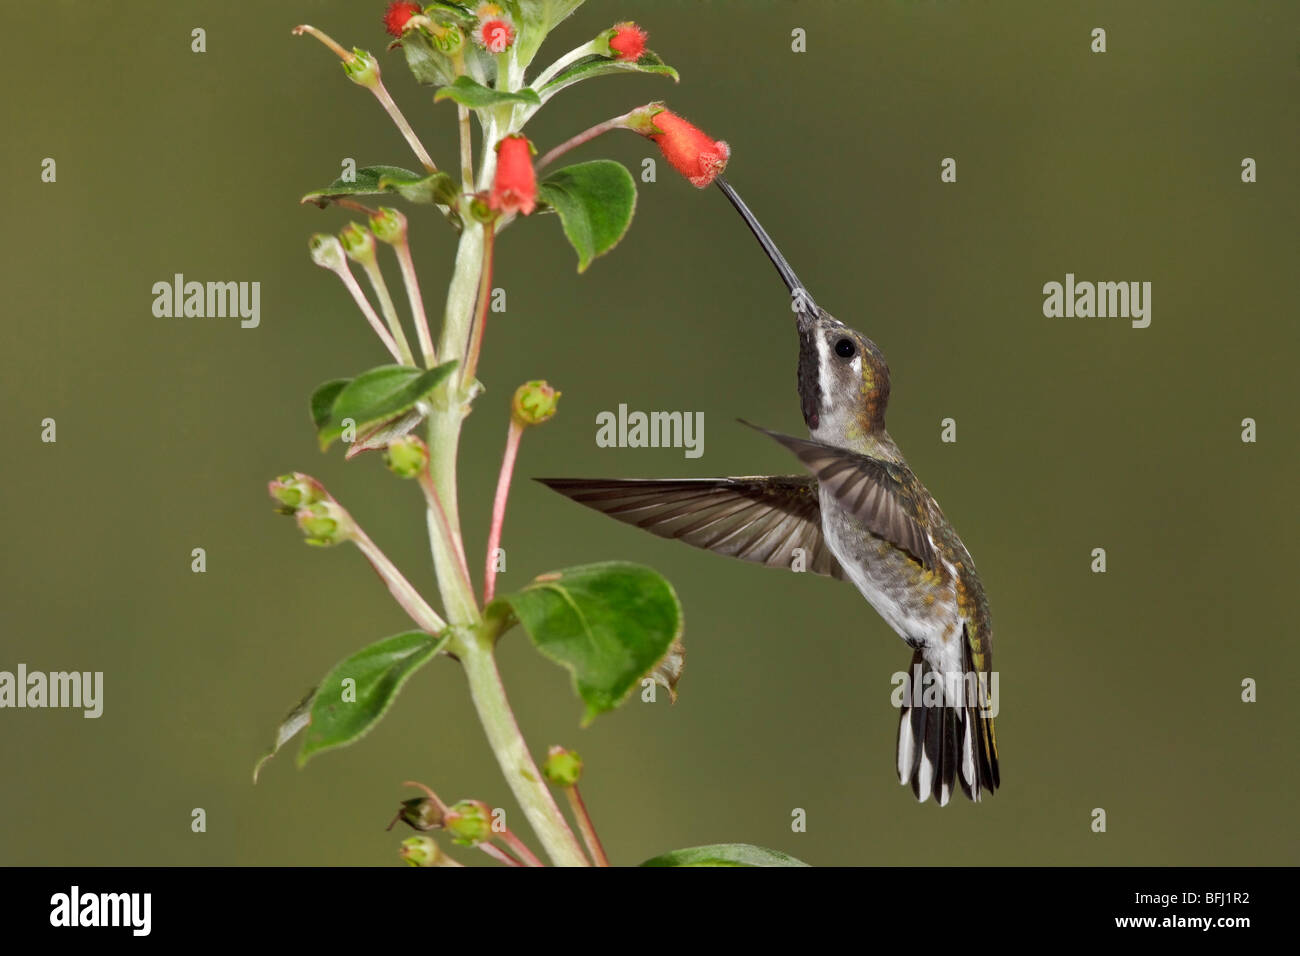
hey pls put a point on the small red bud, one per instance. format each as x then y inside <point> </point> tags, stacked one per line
<point>494,31</point>
<point>515,187</point>
<point>397,14</point>
<point>690,150</point>
<point>628,42</point>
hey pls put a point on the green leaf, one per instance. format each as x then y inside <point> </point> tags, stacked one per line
<point>369,181</point>
<point>608,623</point>
<point>597,65</point>
<point>466,92</point>
<point>422,188</point>
<point>725,854</point>
<point>322,400</point>
<point>595,201</point>
<point>379,395</point>
<point>297,719</point>
<point>342,713</point>
<point>429,66</point>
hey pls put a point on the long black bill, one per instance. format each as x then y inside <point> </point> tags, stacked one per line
<point>787,274</point>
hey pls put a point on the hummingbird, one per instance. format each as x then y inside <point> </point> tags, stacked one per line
<point>860,515</point>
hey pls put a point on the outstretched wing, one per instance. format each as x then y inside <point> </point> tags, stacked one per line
<point>875,492</point>
<point>761,519</point>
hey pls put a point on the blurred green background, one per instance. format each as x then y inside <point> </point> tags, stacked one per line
<point>1119,690</point>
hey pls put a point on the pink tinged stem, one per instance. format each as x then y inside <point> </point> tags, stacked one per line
<point>521,848</point>
<point>405,593</point>
<point>347,56</point>
<point>585,827</point>
<point>453,541</point>
<point>513,435</point>
<point>618,122</point>
<point>498,854</point>
<point>386,101</point>
<point>475,344</point>
<point>377,283</point>
<point>466,150</point>
<point>350,282</point>
<point>375,85</point>
<point>412,282</point>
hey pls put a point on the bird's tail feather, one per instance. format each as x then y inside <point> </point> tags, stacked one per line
<point>947,740</point>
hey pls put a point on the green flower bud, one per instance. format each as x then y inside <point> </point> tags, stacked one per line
<point>480,210</point>
<point>389,226</point>
<point>324,523</point>
<point>362,69</point>
<point>406,457</point>
<point>420,851</point>
<point>294,491</point>
<point>327,251</point>
<point>357,242</point>
<point>534,402</point>
<point>468,823</point>
<point>563,768</point>
<point>447,37</point>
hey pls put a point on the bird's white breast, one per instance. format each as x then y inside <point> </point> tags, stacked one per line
<point>887,578</point>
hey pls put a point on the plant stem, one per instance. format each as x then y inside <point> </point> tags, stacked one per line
<point>484,294</point>
<point>447,411</point>
<point>359,297</point>
<point>395,114</point>
<point>472,638</point>
<point>371,266</point>
<point>438,515</point>
<point>520,848</point>
<point>466,150</point>
<point>498,854</point>
<point>586,136</point>
<point>407,596</point>
<point>584,824</point>
<point>516,763</point>
<point>412,283</point>
<point>375,84</point>
<point>513,434</point>
<point>556,68</point>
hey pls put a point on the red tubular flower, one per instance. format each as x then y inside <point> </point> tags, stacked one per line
<point>628,42</point>
<point>515,187</point>
<point>397,14</point>
<point>690,150</point>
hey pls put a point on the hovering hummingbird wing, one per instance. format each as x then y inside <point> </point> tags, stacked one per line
<point>761,519</point>
<point>874,491</point>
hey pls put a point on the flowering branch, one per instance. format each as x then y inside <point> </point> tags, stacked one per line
<point>479,58</point>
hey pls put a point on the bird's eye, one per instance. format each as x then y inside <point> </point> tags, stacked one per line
<point>844,348</point>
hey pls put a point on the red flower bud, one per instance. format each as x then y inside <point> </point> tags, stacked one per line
<point>628,42</point>
<point>515,187</point>
<point>690,150</point>
<point>397,14</point>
